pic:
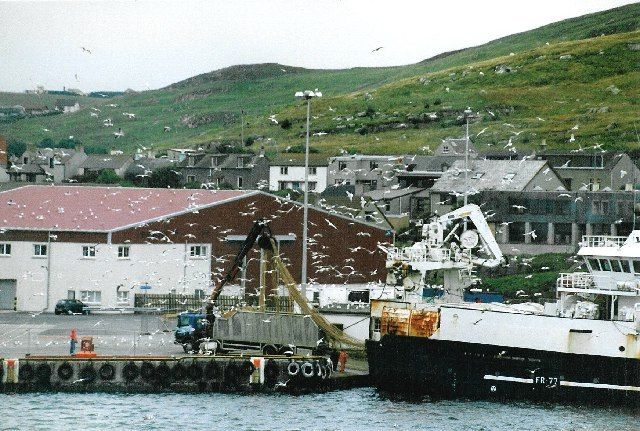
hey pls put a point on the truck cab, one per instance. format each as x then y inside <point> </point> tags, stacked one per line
<point>191,328</point>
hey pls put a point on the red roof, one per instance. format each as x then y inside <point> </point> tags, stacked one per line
<point>100,209</point>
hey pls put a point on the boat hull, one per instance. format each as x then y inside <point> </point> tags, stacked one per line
<point>451,369</point>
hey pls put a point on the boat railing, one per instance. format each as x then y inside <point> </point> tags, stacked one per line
<point>603,241</point>
<point>423,254</point>
<point>575,280</point>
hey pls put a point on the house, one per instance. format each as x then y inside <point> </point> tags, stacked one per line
<point>456,147</point>
<point>67,106</point>
<point>239,171</point>
<point>481,175</point>
<point>287,172</point>
<point>4,160</point>
<point>12,111</point>
<point>532,222</point>
<point>395,204</point>
<point>365,172</point>
<point>96,163</point>
<point>179,154</point>
<point>36,110</point>
<point>47,165</point>
<point>594,171</point>
<point>146,165</point>
<point>101,244</point>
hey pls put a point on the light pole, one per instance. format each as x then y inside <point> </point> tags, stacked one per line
<point>467,114</point>
<point>306,95</point>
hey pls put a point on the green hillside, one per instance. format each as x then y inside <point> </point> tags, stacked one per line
<point>391,109</point>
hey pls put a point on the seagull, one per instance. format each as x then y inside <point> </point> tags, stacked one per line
<point>377,49</point>
<point>85,50</point>
<point>482,131</point>
<point>331,224</point>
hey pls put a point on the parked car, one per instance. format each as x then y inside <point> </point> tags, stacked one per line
<point>70,306</point>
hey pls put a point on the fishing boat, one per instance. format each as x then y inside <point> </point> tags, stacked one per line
<point>582,347</point>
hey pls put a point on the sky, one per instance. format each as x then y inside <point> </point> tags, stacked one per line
<point>147,44</point>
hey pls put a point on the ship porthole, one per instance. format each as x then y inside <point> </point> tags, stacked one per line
<point>493,388</point>
<point>621,348</point>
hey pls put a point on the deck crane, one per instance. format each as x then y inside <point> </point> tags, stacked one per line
<point>442,248</point>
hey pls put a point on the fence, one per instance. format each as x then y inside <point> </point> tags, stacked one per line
<point>174,302</point>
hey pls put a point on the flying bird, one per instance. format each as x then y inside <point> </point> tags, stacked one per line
<point>377,49</point>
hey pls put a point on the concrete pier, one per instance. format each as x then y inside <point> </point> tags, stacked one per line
<point>136,374</point>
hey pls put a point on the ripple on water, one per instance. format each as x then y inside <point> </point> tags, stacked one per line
<point>358,409</point>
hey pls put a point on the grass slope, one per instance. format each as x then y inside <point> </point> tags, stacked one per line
<point>562,92</point>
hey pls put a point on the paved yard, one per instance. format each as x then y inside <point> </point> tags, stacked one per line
<point>127,334</point>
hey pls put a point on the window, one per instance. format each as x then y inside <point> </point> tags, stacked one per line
<point>629,266</point>
<point>219,181</point>
<point>91,296</point>
<point>192,160</point>
<point>509,177</point>
<point>123,297</point>
<point>123,252</point>
<point>373,165</point>
<point>71,294</point>
<point>197,251</point>
<point>5,249</point>
<point>214,162</point>
<point>284,170</point>
<point>342,166</point>
<point>295,185</point>
<point>199,293</point>
<point>191,178</point>
<point>88,251</point>
<point>387,205</point>
<point>312,185</point>
<point>605,265</point>
<point>39,249</point>
<point>240,162</point>
<point>593,263</point>
<point>239,182</point>
<point>445,149</point>
<point>616,265</point>
<point>313,171</point>
<point>282,185</point>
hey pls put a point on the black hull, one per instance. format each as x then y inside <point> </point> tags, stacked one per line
<point>449,369</point>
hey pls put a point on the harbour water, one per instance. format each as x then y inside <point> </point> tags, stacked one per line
<point>357,409</point>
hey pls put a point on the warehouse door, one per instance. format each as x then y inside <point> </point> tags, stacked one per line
<point>7,294</point>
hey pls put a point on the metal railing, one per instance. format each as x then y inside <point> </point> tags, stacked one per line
<point>408,254</point>
<point>575,280</point>
<point>602,241</point>
<point>176,302</point>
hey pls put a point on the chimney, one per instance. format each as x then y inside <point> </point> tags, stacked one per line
<point>3,152</point>
<point>543,145</point>
<point>261,150</point>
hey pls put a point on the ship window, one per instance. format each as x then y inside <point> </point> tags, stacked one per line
<point>605,265</point>
<point>635,265</point>
<point>616,265</point>
<point>629,266</point>
<point>595,266</point>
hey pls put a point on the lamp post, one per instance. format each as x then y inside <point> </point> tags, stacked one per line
<point>306,95</point>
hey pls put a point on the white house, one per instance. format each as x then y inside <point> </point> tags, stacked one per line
<point>287,172</point>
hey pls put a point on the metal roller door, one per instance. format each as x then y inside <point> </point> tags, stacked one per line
<point>7,294</point>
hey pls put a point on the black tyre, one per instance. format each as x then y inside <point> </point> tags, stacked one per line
<point>212,370</point>
<point>271,372</point>
<point>107,372</point>
<point>231,374</point>
<point>130,372</point>
<point>195,371</point>
<point>179,372</point>
<point>247,368</point>
<point>88,374</point>
<point>163,375</point>
<point>43,373</point>
<point>26,373</point>
<point>147,371</point>
<point>65,371</point>
<point>269,349</point>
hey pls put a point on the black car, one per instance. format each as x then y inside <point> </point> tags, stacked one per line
<point>70,306</point>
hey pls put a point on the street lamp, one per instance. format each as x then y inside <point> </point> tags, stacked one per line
<point>306,95</point>
<point>468,113</point>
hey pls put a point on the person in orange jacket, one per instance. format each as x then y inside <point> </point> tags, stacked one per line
<point>73,340</point>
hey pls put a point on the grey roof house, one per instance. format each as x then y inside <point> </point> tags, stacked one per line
<point>99,162</point>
